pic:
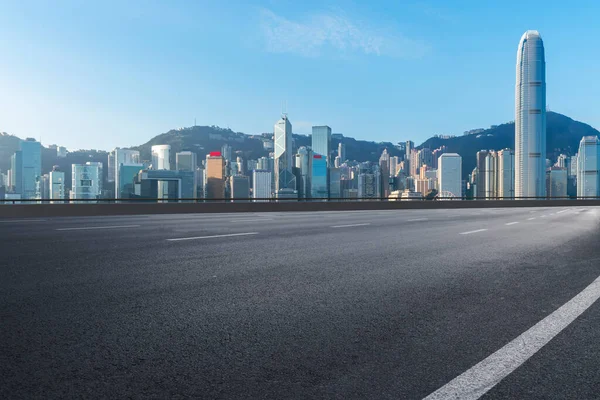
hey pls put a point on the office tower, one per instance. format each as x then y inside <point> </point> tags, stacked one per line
<point>562,161</point>
<point>530,117</point>
<point>127,173</point>
<point>342,152</point>
<point>304,162</point>
<point>182,184</point>
<point>44,187</point>
<point>240,187</point>
<point>61,152</point>
<point>481,174</point>
<point>413,169</point>
<point>506,174</point>
<point>423,185</point>
<point>28,168</point>
<point>321,142</point>
<point>111,167</point>
<point>100,175</point>
<point>394,165</point>
<point>16,172</point>
<point>335,189</point>
<point>226,151</point>
<point>367,186</point>
<point>200,179</point>
<point>215,176</point>
<point>186,161</point>
<point>319,189</point>
<point>84,182</point>
<point>56,183</point>
<point>588,167</point>
<point>120,156</point>
<point>161,157</point>
<point>424,157</point>
<point>261,184</point>
<point>556,183</point>
<point>436,155</point>
<point>384,168</point>
<point>410,145</point>
<point>450,175</point>
<point>573,166</point>
<point>491,174</point>
<point>265,164</point>
<point>284,178</point>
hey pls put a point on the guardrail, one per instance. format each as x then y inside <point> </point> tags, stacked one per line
<point>105,207</point>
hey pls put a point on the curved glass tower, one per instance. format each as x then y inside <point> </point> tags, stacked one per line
<point>530,117</point>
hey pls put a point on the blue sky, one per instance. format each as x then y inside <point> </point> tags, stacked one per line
<point>100,74</point>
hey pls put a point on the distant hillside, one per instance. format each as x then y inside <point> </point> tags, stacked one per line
<point>563,136</point>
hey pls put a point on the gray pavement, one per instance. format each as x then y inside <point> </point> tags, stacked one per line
<point>368,304</point>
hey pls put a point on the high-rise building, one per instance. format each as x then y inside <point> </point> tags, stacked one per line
<point>423,185</point>
<point>56,184</point>
<point>491,175</point>
<point>384,167</point>
<point>367,186</point>
<point>85,182</point>
<point>161,157</point>
<point>127,173</point>
<point>424,157</point>
<point>413,163</point>
<point>393,166</point>
<point>44,187</point>
<point>61,152</point>
<point>410,145</point>
<point>16,173</point>
<point>120,156</point>
<point>530,117</point>
<point>481,174</point>
<point>284,176</point>
<point>342,152</point>
<point>506,174</point>
<point>28,168</point>
<point>226,152</point>
<point>319,188</point>
<point>321,142</point>
<point>304,159</point>
<point>261,184</point>
<point>240,187</point>
<point>450,175</point>
<point>556,182</point>
<point>335,189</point>
<point>215,176</point>
<point>588,167</point>
<point>100,175</point>
<point>186,161</point>
<point>573,166</point>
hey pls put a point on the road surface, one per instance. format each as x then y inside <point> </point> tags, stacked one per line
<point>398,304</point>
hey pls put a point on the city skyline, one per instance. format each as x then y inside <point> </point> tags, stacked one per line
<point>87,95</point>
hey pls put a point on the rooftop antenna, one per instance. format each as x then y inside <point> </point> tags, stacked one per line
<point>284,108</point>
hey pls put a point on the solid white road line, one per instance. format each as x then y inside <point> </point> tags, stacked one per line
<point>475,231</point>
<point>212,236</point>
<point>477,380</point>
<point>417,219</point>
<point>85,228</point>
<point>7,221</point>
<point>349,226</point>
<point>251,220</point>
<point>511,223</point>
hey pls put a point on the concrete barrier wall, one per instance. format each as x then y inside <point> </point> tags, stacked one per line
<point>79,210</point>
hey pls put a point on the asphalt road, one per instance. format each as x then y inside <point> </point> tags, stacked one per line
<point>349,305</point>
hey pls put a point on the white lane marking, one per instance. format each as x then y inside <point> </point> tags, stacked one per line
<point>417,219</point>
<point>530,219</point>
<point>349,226</point>
<point>475,231</point>
<point>511,223</point>
<point>212,236</point>
<point>251,220</point>
<point>85,228</point>
<point>476,381</point>
<point>543,216</point>
<point>7,221</point>
<point>560,212</point>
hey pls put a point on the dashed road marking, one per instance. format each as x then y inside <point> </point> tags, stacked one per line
<point>530,219</point>
<point>417,219</point>
<point>212,236</point>
<point>511,223</point>
<point>85,228</point>
<point>349,226</point>
<point>475,231</point>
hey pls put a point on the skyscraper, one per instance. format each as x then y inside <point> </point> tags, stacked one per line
<point>410,145</point>
<point>530,117</point>
<point>321,142</point>
<point>261,184</point>
<point>186,161</point>
<point>491,175</point>
<point>215,176</point>
<point>342,152</point>
<point>240,187</point>
<point>304,166</point>
<point>30,168</point>
<point>85,181</point>
<point>319,188</point>
<point>556,184</point>
<point>384,167</point>
<point>481,174</point>
<point>284,177</point>
<point>506,174</point>
<point>588,167</point>
<point>161,156</point>
<point>450,174</point>
<point>119,157</point>
<point>56,183</point>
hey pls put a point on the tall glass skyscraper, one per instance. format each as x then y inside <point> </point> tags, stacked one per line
<point>30,168</point>
<point>530,117</point>
<point>588,167</point>
<point>284,176</point>
<point>321,142</point>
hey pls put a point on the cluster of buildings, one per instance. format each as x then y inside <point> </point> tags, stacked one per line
<point>319,172</point>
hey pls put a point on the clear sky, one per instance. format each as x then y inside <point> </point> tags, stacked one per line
<point>100,74</point>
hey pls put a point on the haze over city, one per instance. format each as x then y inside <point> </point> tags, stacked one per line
<point>86,75</point>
